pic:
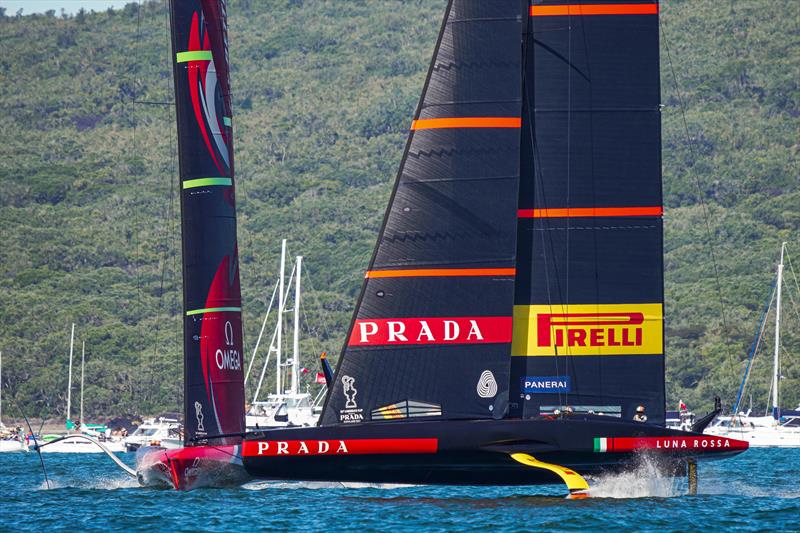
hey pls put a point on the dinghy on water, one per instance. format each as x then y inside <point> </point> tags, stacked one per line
<point>510,326</point>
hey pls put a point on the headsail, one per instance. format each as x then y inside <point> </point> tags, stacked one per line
<point>588,326</point>
<point>213,378</point>
<point>432,328</point>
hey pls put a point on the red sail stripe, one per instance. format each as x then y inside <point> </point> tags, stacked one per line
<point>289,448</point>
<point>568,212</point>
<point>594,9</point>
<point>439,272</point>
<point>466,122</point>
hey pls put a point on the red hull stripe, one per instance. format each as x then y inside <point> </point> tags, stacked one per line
<point>466,122</point>
<point>570,212</point>
<point>669,444</point>
<point>431,330</point>
<point>440,272</point>
<point>594,9</point>
<point>290,448</point>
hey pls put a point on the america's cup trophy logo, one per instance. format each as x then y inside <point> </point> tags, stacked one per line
<point>349,391</point>
<point>198,411</point>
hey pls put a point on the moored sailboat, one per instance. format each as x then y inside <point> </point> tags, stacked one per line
<point>781,427</point>
<point>510,326</point>
<point>288,406</point>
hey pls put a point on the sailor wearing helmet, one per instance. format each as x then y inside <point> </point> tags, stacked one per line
<point>640,416</point>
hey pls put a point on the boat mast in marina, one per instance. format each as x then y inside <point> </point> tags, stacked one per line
<point>69,377</point>
<point>776,410</point>
<point>281,306</point>
<point>296,333</point>
<point>83,361</point>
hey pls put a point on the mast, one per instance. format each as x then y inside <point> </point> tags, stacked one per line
<point>69,376</point>
<point>83,361</point>
<point>281,303</point>
<point>776,361</point>
<point>296,339</point>
<point>212,303</point>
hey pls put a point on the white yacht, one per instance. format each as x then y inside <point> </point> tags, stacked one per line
<point>75,443</point>
<point>780,428</point>
<point>759,431</point>
<point>164,432</point>
<point>288,406</point>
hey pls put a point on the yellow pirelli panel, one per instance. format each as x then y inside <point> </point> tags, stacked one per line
<point>588,329</point>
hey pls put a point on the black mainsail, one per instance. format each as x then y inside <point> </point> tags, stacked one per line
<point>589,288</point>
<point>213,378</point>
<point>432,327</point>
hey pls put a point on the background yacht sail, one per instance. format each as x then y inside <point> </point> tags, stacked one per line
<point>213,377</point>
<point>432,328</point>
<point>588,315</point>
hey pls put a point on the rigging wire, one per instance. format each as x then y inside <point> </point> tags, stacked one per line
<point>760,329</point>
<point>693,158</point>
<point>797,287</point>
<point>320,306</point>
<point>134,151</point>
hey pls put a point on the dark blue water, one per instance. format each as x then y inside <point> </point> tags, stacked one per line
<point>759,489</point>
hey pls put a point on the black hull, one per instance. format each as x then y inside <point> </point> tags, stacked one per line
<point>471,452</point>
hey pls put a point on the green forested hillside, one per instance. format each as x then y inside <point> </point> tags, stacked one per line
<point>323,96</point>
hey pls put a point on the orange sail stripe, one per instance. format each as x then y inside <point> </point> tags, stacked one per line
<point>466,122</point>
<point>568,212</point>
<point>594,9</point>
<point>440,272</point>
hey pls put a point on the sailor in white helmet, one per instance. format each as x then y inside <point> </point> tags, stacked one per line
<point>640,416</point>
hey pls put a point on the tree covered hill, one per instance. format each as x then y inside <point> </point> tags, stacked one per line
<point>323,96</point>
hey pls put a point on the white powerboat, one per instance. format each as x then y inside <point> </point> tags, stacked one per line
<point>11,441</point>
<point>164,432</point>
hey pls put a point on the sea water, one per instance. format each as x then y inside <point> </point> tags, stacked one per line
<point>758,490</point>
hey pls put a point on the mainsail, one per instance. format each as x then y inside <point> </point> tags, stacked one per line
<point>588,314</point>
<point>431,334</point>
<point>532,174</point>
<point>213,377</point>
